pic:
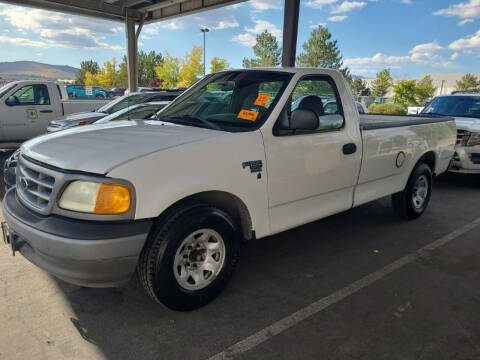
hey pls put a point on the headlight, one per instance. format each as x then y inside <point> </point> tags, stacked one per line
<point>96,198</point>
<point>474,139</point>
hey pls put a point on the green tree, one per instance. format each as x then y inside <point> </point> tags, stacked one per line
<point>382,83</point>
<point>123,73</point>
<point>320,51</point>
<point>468,82</point>
<point>218,64</point>
<point>169,70</point>
<point>425,89</point>
<point>146,66</point>
<point>357,85</point>
<point>192,67</point>
<point>405,92</point>
<point>87,66</point>
<point>266,50</point>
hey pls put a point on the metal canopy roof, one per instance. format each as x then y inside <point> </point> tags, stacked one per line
<point>119,10</point>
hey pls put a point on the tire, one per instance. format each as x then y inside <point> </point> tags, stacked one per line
<point>166,257</point>
<point>412,202</point>
<point>99,96</point>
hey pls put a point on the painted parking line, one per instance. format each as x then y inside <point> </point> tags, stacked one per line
<point>319,305</point>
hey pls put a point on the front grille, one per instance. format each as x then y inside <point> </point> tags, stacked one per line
<point>462,136</point>
<point>475,158</point>
<point>34,185</point>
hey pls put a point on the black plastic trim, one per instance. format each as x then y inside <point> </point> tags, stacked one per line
<point>373,125</point>
<point>73,228</point>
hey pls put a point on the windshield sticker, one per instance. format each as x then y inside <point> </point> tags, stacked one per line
<point>248,115</point>
<point>262,100</point>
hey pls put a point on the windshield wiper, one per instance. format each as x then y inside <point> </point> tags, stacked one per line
<point>466,116</point>
<point>190,120</point>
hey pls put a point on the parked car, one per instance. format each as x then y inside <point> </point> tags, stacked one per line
<point>465,108</point>
<point>27,107</point>
<point>149,89</point>
<point>174,199</point>
<point>118,91</point>
<point>86,118</point>
<point>86,92</point>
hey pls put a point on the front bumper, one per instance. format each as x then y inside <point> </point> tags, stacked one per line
<point>86,253</point>
<point>466,160</point>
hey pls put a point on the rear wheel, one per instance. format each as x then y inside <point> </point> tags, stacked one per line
<point>100,96</point>
<point>412,202</point>
<point>189,257</point>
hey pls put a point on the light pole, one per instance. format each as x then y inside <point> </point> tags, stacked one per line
<point>204,31</point>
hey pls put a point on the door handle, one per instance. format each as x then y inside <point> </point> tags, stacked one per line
<point>349,149</point>
<point>46,111</point>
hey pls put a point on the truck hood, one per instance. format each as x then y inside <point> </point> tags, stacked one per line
<point>469,124</point>
<point>89,117</point>
<point>100,148</point>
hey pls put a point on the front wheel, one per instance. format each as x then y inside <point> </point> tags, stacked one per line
<point>412,202</point>
<point>189,257</point>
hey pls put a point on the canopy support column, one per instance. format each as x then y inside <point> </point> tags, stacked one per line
<point>132,54</point>
<point>290,32</point>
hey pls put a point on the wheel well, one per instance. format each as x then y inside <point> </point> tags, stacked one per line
<point>228,202</point>
<point>429,159</point>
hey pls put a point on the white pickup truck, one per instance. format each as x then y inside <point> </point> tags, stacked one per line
<point>28,106</point>
<point>227,161</point>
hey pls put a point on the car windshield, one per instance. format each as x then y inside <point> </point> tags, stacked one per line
<point>460,106</point>
<point>135,112</point>
<point>230,101</point>
<point>121,103</point>
<point>4,89</point>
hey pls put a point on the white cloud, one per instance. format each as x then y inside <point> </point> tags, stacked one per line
<point>21,42</point>
<point>216,19</point>
<point>145,37</point>
<point>245,39</point>
<point>423,54</point>
<point>348,6</point>
<point>57,29</point>
<point>454,56</point>
<point>469,44</point>
<point>266,4</point>
<point>337,18</point>
<point>465,21</point>
<point>463,10</point>
<point>408,2</point>
<point>249,37</point>
<point>150,30</point>
<point>318,4</point>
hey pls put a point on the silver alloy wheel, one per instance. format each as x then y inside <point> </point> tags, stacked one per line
<point>199,259</point>
<point>420,192</point>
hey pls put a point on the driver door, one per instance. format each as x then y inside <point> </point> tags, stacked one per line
<point>30,115</point>
<point>312,174</point>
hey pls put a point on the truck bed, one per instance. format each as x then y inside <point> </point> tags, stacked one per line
<point>378,121</point>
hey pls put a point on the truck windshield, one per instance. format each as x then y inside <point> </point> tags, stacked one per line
<point>455,105</point>
<point>6,88</point>
<point>230,101</point>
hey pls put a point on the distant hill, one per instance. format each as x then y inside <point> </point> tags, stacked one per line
<point>34,70</point>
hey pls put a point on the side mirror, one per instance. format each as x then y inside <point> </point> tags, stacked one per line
<point>12,101</point>
<point>304,120</point>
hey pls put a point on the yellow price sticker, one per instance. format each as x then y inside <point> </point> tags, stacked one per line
<point>262,99</point>
<point>247,115</point>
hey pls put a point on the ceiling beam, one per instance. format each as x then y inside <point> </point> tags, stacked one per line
<point>92,8</point>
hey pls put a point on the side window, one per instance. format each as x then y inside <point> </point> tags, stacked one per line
<point>32,95</point>
<point>318,94</point>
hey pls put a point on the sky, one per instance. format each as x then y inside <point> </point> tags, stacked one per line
<point>411,37</point>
